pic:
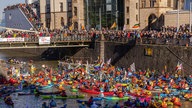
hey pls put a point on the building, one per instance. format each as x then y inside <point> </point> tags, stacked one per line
<point>131,13</point>
<point>152,12</point>
<point>172,18</point>
<point>55,14</point>
<point>187,4</point>
<point>78,14</point>
<point>124,14</point>
<point>87,13</point>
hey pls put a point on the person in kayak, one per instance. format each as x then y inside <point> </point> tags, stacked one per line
<point>82,105</point>
<point>44,105</point>
<point>9,101</point>
<point>116,105</point>
<point>94,105</point>
<point>36,91</point>
<point>90,101</point>
<point>53,104</point>
<point>128,103</point>
<point>63,93</point>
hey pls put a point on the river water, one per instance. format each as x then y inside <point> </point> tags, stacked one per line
<point>33,102</point>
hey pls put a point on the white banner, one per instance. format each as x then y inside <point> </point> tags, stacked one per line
<point>44,40</point>
<point>12,39</point>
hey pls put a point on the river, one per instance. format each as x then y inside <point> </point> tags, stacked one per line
<point>32,101</point>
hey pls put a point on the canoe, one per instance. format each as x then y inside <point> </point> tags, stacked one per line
<point>116,98</point>
<point>96,92</point>
<point>60,97</point>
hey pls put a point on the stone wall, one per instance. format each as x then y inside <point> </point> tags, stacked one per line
<point>125,54</point>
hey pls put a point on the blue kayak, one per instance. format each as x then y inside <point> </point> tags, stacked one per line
<point>97,98</point>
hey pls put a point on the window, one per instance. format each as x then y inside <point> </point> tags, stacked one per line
<point>61,7</point>
<point>10,17</point>
<point>127,21</point>
<point>128,9</point>
<point>62,21</point>
<point>168,3</point>
<point>48,8</point>
<point>48,22</point>
<point>69,6</point>
<point>136,17</point>
<point>75,11</point>
<point>152,3</point>
<point>136,5</point>
<point>143,3</point>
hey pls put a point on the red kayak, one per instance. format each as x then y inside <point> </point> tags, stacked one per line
<point>96,92</point>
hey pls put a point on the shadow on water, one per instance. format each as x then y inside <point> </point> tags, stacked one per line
<point>121,50</point>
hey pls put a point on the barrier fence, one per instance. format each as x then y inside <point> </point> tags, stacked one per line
<point>59,38</point>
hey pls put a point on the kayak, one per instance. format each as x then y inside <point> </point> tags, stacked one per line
<point>96,92</point>
<point>86,102</point>
<point>116,98</point>
<point>169,103</point>
<point>48,93</point>
<point>25,93</point>
<point>60,97</point>
<point>74,90</point>
<point>97,98</point>
<point>177,103</point>
<point>46,87</point>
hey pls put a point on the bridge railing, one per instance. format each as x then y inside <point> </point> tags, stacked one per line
<point>165,41</point>
<point>35,39</point>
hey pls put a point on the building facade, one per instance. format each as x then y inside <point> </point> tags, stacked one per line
<point>81,14</point>
<point>55,14</point>
<point>131,13</point>
<point>93,13</point>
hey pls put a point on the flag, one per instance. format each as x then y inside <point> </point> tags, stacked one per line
<point>82,27</point>
<point>87,67</point>
<point>114,25</point>
<point>136,26</point>
<point>97,66</point>
<point>179,66</point>
<point>132,66</point>
<point>124,27</point>
<point>109,61</point>
<point>71,27</point>
<point>20,87</point>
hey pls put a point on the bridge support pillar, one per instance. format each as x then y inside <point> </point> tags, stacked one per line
<point>102,48</point>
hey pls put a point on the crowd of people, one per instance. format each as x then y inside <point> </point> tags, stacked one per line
<point>29,11</point>
<point>166,33</point>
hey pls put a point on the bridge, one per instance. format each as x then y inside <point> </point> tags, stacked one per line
<point>44,42</point>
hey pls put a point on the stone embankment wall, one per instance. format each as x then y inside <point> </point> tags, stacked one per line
<point>162,58</point>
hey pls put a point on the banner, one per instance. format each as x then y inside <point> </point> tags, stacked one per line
<point>44,40</point>
<point>12,39</point>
